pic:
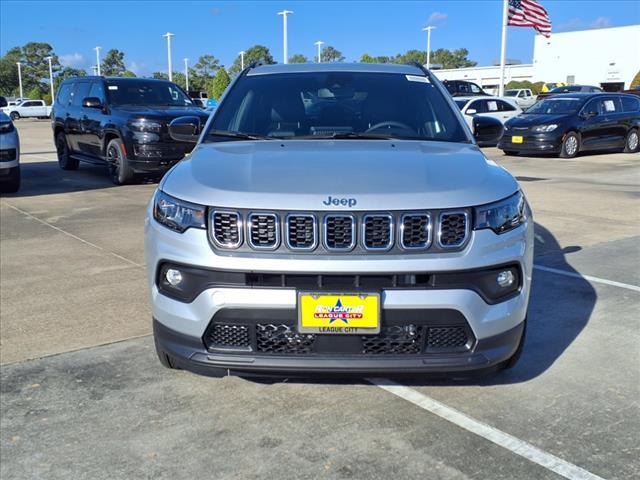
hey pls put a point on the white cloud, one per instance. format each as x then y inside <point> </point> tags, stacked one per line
<point>601,22</point>
<point>73,60</point>
<point>437,17</point>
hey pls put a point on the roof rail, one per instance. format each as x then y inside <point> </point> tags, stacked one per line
<point>423,69</point>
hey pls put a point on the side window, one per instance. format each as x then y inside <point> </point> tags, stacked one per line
<point>630,104</point>
<point>97,90</point>
<point>505,106</point>
<point>521,94</point>
<point>474,88</point>
<point>609,105</point>
<point>592,107</point>
<point>480,106</point>
<point>80,93</point>
<point>492,105</point>
<point>64,94</point>
<point>463,88</point>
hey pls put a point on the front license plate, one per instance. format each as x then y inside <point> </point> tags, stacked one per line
<point>339,314</point>
<point>517,139</point>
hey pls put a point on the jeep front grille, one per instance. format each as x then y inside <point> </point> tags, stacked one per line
<point>377,232</point>
<point>328,232</point>
<point>264,231</point>
<point>339,232</point>
<point>226,229</point>
<point>302,232</point>
<point>453,229</point>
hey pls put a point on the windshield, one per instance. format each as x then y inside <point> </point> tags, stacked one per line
<point>511,93</point>
<point>565,89</point>
<point>336,104</point>
<point>146,92</point>
<point>556,106</point>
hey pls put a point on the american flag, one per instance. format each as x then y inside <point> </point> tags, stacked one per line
<point>529,13</point>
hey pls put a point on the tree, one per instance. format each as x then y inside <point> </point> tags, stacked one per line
<point>160,76</point>
<point>68,72</point>
<point>452,59</point>
<point>113,64</point>
<point>219,84</point>
<point>412,56</point>
<point>636,81</point>
<point>206,66</point>
<point>366,58</point>
<point>330,54</point>
<point>128,73</point>
<point>35,93</point>
<point>35,68</point>
<point>9,72</point>
<point>298,58</point>
<point>257,53</point>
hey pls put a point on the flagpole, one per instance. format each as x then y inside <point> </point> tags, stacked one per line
<point>503,50</point>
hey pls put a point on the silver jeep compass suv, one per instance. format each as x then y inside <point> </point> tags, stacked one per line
<point>337,218</point>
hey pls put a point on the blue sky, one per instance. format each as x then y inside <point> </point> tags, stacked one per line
<point>73,28</point>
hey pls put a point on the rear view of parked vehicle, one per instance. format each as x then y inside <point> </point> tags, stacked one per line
<point>567,124</point>
<point>462,88</point>
<point>9,155</point>
<point>120,123</point>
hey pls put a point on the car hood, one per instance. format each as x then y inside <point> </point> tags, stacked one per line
<point>302,174</point>
<point>160,111</point>
<point>531,119</point>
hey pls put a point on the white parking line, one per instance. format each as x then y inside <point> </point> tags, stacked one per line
<point>588,277</point>
<point>511,443</point>
<point>73,236</point>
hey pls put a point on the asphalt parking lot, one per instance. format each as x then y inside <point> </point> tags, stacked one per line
<point>83,395</point>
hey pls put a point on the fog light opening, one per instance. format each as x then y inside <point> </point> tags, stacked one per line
<point>173,277</point>
<point>506,278</point>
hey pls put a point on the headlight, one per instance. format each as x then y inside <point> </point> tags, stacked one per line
<point>502,216</point>
<point>545,128</point>
<point>177,214</point>
<point>6,127</point>
<point>142,125</point>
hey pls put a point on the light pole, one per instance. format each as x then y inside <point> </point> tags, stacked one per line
<point>168,36</point>
<point>97,49</point>
<point>95,69</point>
<point>51,78</point>
<point>186,73</point>
<point>428,30</point>
<point>319,44</point>
<point>242,59</point>
<point>20,77</point>
<point>284,14</point>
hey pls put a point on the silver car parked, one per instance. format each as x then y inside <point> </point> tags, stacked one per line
<point>338,218</point>
<point>9,155</point>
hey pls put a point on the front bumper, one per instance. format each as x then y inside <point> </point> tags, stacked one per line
<point>532,142</point>
<point>182,327</point>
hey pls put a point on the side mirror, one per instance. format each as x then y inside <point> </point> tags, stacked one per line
<point>185,129</point>
<point>471,111</point>
<point>487,131</point>
<point>92,102</point>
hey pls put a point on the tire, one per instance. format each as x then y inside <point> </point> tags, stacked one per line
<point>65,161</point>
<point>15,116</point>
<point>511,361</point>
<point>12,184</point>
<point>119,170</point>
<point>570,145</point>
<point>510,152</point>
<point>632,142</point>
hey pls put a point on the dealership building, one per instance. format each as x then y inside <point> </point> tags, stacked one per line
<point>606,57</point>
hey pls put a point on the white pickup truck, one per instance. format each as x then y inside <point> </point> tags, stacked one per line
<point>28,108</point>
<point>522,96</point>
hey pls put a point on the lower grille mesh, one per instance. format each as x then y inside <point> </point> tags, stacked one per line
<point>394,340</point>
<point>273,338</point>
<point>447,337</point>
<point>223,335</point>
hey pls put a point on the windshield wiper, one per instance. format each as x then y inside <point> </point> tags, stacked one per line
<point>240,135</point>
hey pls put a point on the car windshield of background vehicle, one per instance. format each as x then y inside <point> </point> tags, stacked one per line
<point>555,106</point>
<point>348,105</point>
<point>511,93</point>
<point>144,92</point>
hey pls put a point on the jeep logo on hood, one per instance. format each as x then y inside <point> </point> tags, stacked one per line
<point>337,202</point>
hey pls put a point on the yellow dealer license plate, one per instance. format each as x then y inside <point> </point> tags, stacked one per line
<point>517,139</point>
<point>339,314</point>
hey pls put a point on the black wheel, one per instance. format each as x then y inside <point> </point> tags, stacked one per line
<point>570,145</point>
<point>632,143</point>
<point>511,362</point>
<point>65,160</point>
<point>165,359</point>
<point>510,152</point>
<point>12,184</point>
<point>15,116</point>
<point>119,170</point>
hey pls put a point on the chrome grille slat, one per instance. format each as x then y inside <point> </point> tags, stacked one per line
<point>453,229</point>
<point>264,231</point>
<point>339,232</point>
<point>415,231</point>
<point>301,232</point>
<point>226,228</point>
<point>377,232</point>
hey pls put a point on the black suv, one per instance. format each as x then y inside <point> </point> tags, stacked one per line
<point>462,88</point>
<point>120,122</point>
